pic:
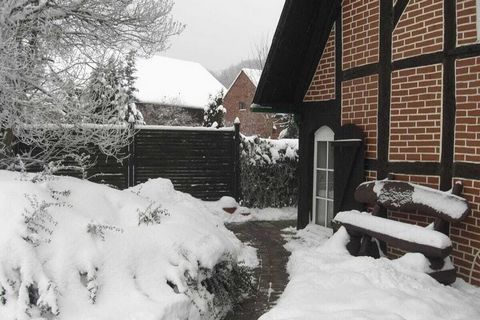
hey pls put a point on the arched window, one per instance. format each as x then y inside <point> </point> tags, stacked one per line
<point>323,177</point>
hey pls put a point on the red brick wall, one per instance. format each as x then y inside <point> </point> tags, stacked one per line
<point>467,127</point>
<point>359,106</point>
<point>416,104</point>
<point>466,236</point>
<point>251,123</point>
<point>322,87</point>
<point>466,22</point>
<point>416,114</point>
<point>360,24</point>
<point>419,30</point>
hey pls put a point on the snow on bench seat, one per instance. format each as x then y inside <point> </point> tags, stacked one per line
<point>409,237</point>
<point>409,197</point>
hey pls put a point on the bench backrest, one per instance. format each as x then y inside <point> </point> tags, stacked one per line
<point>409,197</point>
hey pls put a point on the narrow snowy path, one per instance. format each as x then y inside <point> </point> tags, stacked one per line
<point>271,275</point>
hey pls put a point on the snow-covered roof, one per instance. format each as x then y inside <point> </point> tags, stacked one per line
<point>253,74</point>
<point>167,81</point>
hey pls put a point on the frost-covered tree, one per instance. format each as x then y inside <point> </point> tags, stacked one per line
<point>48,49</point>
<point>111,88</point>
<point>214,112</point>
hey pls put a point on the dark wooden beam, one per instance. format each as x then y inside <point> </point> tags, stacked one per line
<point>398,11</point>
<point>419,61</point>
<point>414,168</point>
<point>465,51</point>
<point>360,72</point>
<point>449,103</point>
<point>384,87</point>
<point>466,170</point>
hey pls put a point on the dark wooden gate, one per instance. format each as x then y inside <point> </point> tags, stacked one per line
<point>199,161</point>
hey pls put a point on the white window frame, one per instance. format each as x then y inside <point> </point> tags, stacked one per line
<point>324,134</point>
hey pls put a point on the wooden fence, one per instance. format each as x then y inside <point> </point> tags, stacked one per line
<point>201,161</point>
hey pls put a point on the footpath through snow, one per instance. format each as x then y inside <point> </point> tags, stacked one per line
<point>327,283</point>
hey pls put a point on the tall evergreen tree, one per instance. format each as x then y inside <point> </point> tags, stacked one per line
<point>214,112</point>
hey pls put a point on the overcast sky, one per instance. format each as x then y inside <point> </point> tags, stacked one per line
<point>220,33</point>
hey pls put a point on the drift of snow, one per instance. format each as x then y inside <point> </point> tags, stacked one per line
<point>396,229</point>
<point>167,81</point>
<point>326,282</point>
<point>243,214</point>
<point>98,253</point>
<point>265,214</point>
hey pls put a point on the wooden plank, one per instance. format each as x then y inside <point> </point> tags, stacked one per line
<point>428,251</point>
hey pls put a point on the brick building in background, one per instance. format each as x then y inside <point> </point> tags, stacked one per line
<point>173,92</point>
<point>237,102</point>
<point>398,79</point>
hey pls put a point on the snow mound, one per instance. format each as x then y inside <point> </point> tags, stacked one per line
<point>327,283</point>
<point>72,249</point>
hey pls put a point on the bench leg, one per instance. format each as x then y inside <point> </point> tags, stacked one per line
<point>369,248</point>
<point>445,277</point>
<point>353,246</point>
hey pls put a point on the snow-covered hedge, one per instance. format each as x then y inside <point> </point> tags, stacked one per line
<point>269,172</point>
<point>72,249</point>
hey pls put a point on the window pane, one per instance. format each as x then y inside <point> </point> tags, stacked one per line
<point>330,155</point>
<point>321,154</point>
<point>321,183</point>
<point>329,213</point>
<point>320,214</point>
<point>330,185</point>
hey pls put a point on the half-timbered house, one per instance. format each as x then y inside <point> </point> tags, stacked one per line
<point>381,87</point>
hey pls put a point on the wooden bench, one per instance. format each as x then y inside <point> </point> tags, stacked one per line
<point>432,242</point>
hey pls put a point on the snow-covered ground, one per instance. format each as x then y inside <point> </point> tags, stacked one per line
<point>265,214</point>
<point>81,250</point>
<point>327,283</point>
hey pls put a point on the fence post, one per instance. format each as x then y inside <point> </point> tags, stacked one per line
<point>237,191</point>
<point>131,156</point>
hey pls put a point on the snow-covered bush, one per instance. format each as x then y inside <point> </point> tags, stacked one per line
<point>72,249</point>
<point>214,112</point>
<point>269,172</point>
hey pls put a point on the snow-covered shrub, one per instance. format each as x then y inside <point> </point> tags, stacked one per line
<point>214,115</point>
<point>269,172</point>
<point>216,291</point>
<point>99,263</point>
<point>151,215</point>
